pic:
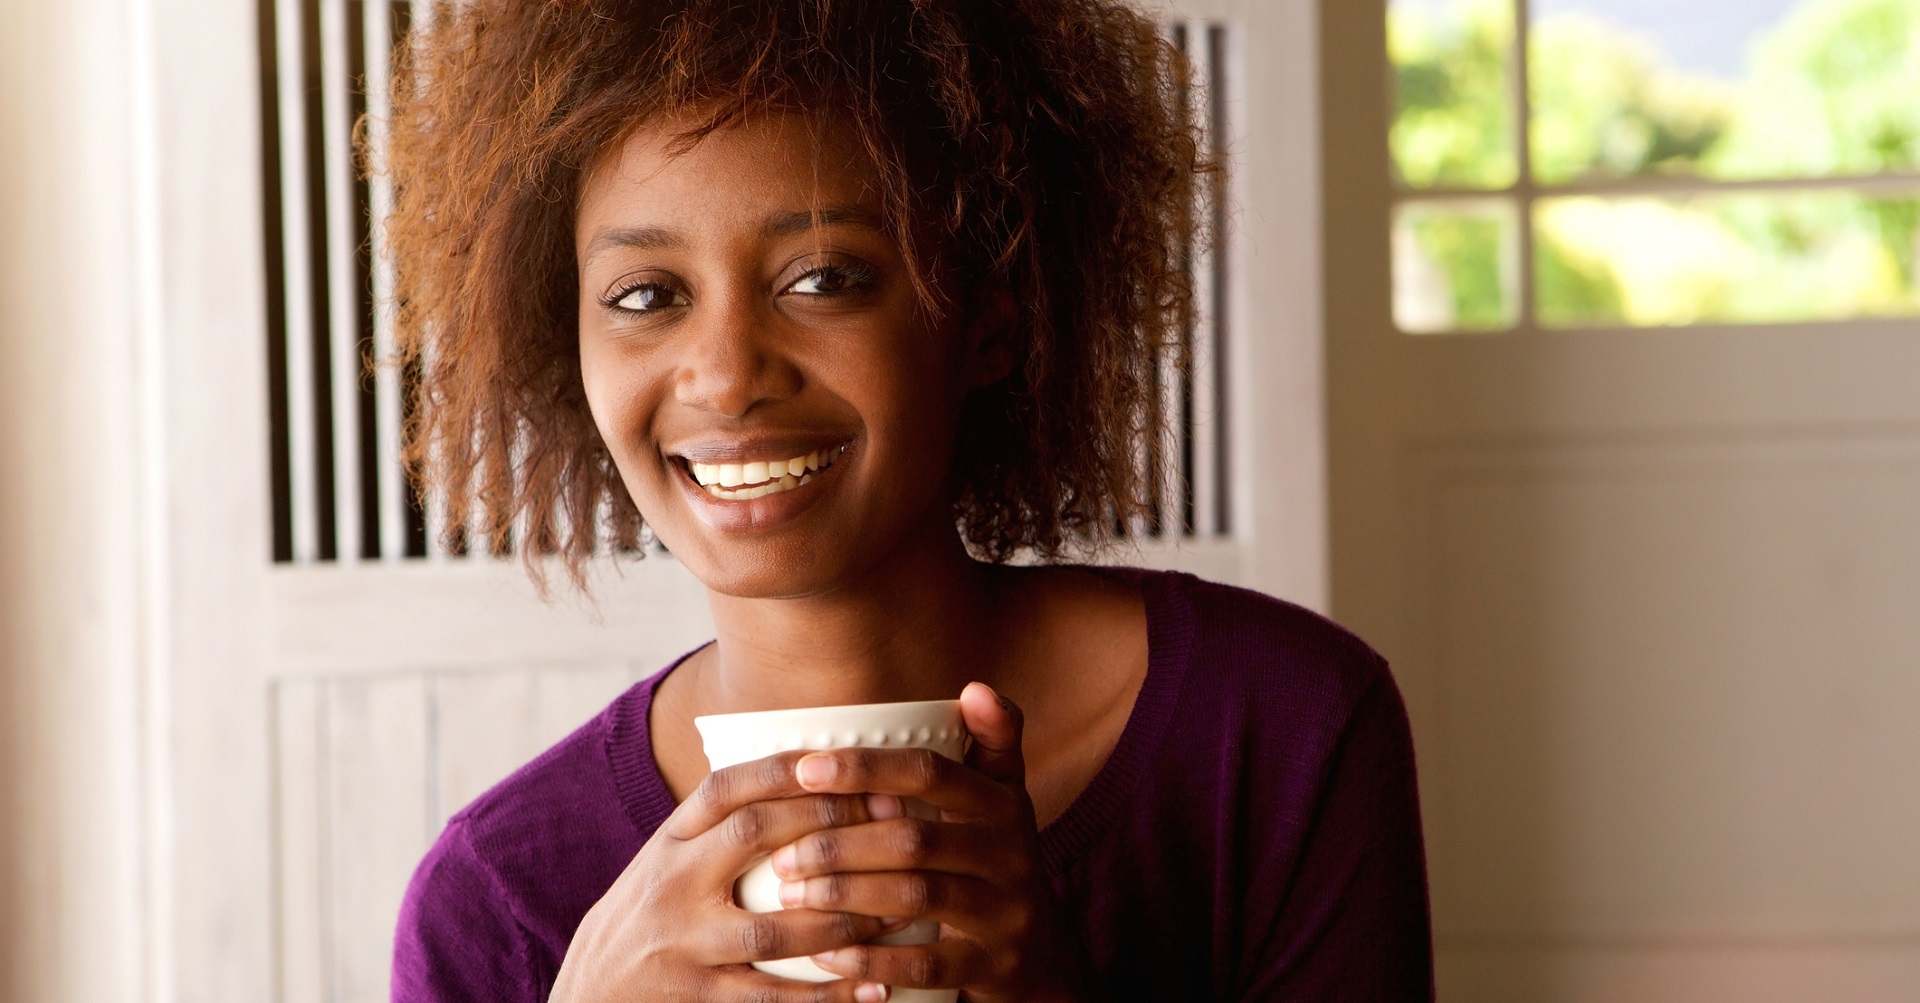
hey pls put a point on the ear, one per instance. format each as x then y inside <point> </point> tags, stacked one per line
<point>987,342</point>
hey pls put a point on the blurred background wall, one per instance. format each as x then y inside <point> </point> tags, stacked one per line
<point>1625,478</point>
<point>70,895</point>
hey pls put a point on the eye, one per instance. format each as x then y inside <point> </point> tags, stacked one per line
<point>834,280</point>
<point>646,297</point>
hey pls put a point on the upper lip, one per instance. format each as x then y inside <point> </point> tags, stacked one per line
<point>759,446</point>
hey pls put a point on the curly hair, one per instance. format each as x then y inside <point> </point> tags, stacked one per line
<point>1035,146</point>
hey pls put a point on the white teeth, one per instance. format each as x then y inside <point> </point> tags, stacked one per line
<point>759,478</point>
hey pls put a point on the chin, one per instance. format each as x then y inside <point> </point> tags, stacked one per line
<point>762,569</point>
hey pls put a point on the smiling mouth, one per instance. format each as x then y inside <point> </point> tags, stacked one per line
<point>759,478</point>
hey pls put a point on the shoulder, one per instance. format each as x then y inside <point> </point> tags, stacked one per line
<point>1270,700</point>
<point>458,936</point>
<point>562,798</point>
<point>1235,641</point>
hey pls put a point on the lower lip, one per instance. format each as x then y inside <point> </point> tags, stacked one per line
<point>756,514</point>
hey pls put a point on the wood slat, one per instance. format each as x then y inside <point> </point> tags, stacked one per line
<point>344,301</point>
<point>294,201</point>
<point>379,815</point>
<point>483,730</point>
<point>565,699</point>
<point>300,746</point>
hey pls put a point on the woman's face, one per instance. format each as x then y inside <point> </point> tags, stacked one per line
<point>755,357</point>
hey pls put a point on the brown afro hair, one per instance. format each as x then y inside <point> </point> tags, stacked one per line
<point>1034,146</point>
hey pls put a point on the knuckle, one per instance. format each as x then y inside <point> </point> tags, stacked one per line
<point>856,765</point>
<point>774,771</point>
<point>925,968</point>
<point>913,841</point>
<point>833,893</point>
<point>716,791</point>
<point>834,812</point>
<point>748,826</point>
<point>926,768</point>
<point>760,937</point>
<point>917,894</point>
<point>850,927</point>
<point>822,851</point>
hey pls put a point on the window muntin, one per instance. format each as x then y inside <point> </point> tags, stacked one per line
<point>1765,152</point>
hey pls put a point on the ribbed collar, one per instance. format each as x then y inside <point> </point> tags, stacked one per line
<point>636,774</point>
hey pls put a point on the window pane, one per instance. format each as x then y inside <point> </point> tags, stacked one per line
<point>1753,257</point>
<point>1454,114</point>
<point>1729,89</point>
<point>1456,266</point>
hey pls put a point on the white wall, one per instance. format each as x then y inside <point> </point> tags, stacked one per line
<point>69,610</point>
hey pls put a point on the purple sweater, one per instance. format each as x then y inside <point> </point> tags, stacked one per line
<point>1254,836</point>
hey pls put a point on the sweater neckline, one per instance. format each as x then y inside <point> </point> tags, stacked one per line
<point>1170,631</point>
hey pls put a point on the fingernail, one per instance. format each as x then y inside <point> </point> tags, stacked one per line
<point>793,894</point>
<point>816,771</point>
<point>786,860</point>
<point>830,958</point>
<point>883,806</point>
<point>870,992</point>
<point>891,924</point>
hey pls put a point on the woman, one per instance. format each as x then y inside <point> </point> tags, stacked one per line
<point>851,301</point>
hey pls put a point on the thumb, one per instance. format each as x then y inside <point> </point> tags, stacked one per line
<point>995,723</point>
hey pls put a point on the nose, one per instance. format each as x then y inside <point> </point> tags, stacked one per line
<point>734,361</point>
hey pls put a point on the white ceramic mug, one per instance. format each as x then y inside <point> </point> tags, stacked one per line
<point>731,739</point>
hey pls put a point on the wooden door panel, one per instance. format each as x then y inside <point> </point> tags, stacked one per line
<point>1651,597</point>
<point>1659,973</point>
<point>369,767</point>
<point>1671,689</point>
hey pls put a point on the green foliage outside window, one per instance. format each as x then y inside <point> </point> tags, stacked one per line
<point>1834,90</point>
<point>1454,125</point>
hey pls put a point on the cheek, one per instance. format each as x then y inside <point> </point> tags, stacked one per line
<point>616,397</point>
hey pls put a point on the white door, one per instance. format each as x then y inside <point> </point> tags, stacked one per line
<point>335,684</point>
<point>1654,596</point>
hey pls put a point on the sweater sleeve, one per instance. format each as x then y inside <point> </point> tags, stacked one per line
<point>1352,920</point>
<point>458,941</point>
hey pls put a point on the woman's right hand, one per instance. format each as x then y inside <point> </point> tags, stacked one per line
<point>668,929</point>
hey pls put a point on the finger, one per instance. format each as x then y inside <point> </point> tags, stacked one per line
<point>758,829</point>
<point>724,791</point>
<point>919,773</point>
<point>957,900</point>
<point>996,724</point>
<point>901,844</point>
<point>943,964</point>
<point>743,937</point>
<point>734,983</point>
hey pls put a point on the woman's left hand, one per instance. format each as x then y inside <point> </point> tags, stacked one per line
<point>976,870</point>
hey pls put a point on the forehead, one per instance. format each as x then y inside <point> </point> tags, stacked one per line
<point>739,174</point>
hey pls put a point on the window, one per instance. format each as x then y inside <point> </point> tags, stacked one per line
<point>1651,163</point>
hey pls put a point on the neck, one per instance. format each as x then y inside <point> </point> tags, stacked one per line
<point>917,626</point>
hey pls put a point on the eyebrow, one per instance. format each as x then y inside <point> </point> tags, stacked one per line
<point>786,224</point>
<point>783,224</point>
<point>645,238</point>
